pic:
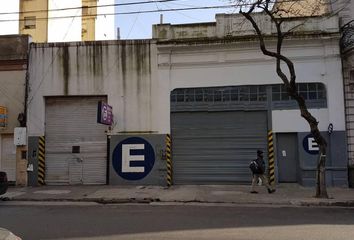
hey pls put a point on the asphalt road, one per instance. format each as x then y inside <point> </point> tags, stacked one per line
<point>157,222</point>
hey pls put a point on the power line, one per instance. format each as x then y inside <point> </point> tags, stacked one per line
<point>99,6</point>
<point>185,15</point>
<point>138,12</point>
<point>133,25</point>
<point>133,12</point>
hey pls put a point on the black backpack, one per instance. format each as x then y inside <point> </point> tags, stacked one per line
<point>254,167</point>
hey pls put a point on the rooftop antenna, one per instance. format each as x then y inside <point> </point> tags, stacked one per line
<point>118,33</point>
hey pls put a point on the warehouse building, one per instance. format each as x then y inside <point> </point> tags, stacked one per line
<point>207,87</point>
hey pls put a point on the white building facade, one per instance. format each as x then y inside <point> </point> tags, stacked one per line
<point>207,85</point>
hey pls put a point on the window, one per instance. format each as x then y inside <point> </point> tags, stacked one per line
<point>276,93</point>
<point>220,94</point>
<point>303,90</point>
<point>309,91</point>
<point>30,22</point>
<point>244,94</point>
<point>262,93</point>
<point>253,93</point>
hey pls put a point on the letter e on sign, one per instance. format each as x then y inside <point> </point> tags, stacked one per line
<point>133,158</point>
<point>310,145</point>
<point>313,146</point>
<point>127,158</point>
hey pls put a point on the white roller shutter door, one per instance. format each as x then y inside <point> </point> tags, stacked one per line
<point>8,156</point>
<point>72,121</point>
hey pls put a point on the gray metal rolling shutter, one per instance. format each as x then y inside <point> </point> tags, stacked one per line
<point>72,121</point>
<point>216,147</point>
<point>8,156</point>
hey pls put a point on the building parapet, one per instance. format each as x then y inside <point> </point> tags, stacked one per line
<point>13,47</point>
<point>235,25</point>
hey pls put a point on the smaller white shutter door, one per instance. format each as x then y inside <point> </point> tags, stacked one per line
<point>8,157</point>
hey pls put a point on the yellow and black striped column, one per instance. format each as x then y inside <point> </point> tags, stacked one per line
<point>271,158</point>
<point>41,160</point>
<point>169,160</point>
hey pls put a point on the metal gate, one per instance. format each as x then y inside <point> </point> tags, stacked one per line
<point>287,159</point>
<point>8,156</point>
<point>76,145</point>
<point>216,147</point>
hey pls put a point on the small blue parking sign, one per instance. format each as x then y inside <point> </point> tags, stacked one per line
<point>310,145</point>
<point>133,158</point>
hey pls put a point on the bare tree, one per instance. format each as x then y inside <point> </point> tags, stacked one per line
<point>280,12</point>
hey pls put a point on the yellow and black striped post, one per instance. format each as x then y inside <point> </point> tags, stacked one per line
<point>271,158</point>
<point>41,160</point>
<point>168,160</point>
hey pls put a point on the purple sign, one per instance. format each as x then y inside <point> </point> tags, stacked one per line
<point>104,113</point>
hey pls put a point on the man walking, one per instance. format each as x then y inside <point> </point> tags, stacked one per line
<point>258,168</point>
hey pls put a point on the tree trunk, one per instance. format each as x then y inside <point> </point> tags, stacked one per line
<point>321,190</point>
<point>290,84</point>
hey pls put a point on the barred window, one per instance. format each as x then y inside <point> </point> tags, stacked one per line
<point>309,91</point>
<point>220,94</point>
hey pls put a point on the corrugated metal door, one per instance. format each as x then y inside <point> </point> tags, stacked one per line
<point>8,156</point>
<point>72,121</point>
<point>216,147</point>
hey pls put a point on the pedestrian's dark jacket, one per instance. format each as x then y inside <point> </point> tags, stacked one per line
<point>261,165</point>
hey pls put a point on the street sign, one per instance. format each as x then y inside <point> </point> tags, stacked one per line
<point>133,158</point>
<point>310,145</point>
<point>104,113</point>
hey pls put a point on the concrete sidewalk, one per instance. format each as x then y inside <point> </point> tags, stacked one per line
<point>286,194</point>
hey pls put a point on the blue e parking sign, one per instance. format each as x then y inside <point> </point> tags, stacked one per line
<point>310,145</point>
<point>133,158</point>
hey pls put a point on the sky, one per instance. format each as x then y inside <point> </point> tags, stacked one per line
<point>139,26</point>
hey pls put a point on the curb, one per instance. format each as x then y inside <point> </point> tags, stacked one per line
<point>95,200</point>
<point>348,204</point>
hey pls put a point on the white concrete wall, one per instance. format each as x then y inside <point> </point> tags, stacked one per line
<point>138,78</point>
<point>105,25</point>
<point>124,72</point>
<point>316,60</point>
<point>64,29</point>
<point>9,27</point>
<point>291,120</point>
